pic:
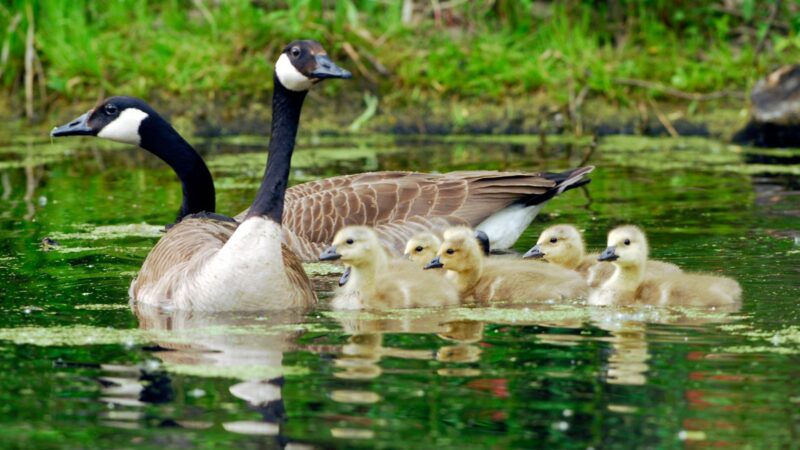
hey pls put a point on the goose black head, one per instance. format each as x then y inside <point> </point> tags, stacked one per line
<point>116,118</point>
<point>305,63</point>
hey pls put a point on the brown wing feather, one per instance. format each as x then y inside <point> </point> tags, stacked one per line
<point>397,203</point>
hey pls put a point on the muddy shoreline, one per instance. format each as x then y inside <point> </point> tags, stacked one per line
<point>529,116</point>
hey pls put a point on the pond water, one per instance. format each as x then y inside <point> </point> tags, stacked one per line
<point>80,369</point>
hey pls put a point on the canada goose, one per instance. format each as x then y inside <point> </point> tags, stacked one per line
<point>379,282</point>
<point>563,245</point>
<point>486,279</point>
<point>205,263</point>
<point>398,204</point>
<point>628,249</point>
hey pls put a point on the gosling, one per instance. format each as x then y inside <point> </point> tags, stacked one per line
<point>630,284</point>
<point>422,248</point>
<point>377,281</point>
<point>481,279</point>
<point>564,245</point>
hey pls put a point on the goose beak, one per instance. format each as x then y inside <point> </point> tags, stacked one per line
<point>483,240</point>
<point>535,252</point>
<point>609,254</point>
<point>78,127</point>
<point>435,263</point>
<point>345,276</point>
<point>327,69</point>
<point>329,254</point>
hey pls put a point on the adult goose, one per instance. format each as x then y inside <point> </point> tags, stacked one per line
<point>203,263</point>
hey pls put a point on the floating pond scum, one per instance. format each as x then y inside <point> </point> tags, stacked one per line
<point>81,368</point>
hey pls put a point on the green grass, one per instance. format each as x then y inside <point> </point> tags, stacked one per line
<point>222,52</point>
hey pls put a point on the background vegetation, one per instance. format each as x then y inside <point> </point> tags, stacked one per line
<point>406,53</point>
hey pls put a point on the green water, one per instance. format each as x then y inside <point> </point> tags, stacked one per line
<point>79,369</point>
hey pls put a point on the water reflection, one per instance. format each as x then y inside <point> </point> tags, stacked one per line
<point>246,347</point>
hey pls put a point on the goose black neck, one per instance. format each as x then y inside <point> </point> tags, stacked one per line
<point>286,106</point>
<point>159,138</point>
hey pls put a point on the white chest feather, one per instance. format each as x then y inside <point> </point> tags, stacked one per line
<point>506,226</point>
<point>247,273</point>
<point>125,128</point>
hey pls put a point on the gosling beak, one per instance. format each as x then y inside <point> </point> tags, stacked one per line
<point>435,263</point>
<point>345,276</point>
<point>78,127</point>
<point>329,254</point>
<point>535,252</point>
<point>327,69</point>
<point>608,254</point>
<point>483,241</point>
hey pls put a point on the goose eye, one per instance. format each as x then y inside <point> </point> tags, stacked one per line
<point>450,251</point>
<point>418,249</point>
<point>295,52</point>
<point>553,240</point>
<point>349,242</point>
<point>111,109</point>
<point>627,242</point>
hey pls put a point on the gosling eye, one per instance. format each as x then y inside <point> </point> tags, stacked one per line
<point>553,240</point>
<point>418,249</point>
<point>111,109</point>
<point>349,242</point>
<point>295,52</point>
<point>450,251</point>
<point>627,242</point>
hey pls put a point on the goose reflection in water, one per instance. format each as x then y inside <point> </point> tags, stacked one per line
<point>248,347</point>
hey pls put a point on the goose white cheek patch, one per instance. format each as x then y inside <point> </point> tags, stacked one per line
<point>125,128</point>
<point>290,77</point>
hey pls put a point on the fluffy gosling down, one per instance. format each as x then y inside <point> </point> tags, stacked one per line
<point>482,279</point>
<point>564,245</point>
<point>377,281</point>
<point>627,250</point>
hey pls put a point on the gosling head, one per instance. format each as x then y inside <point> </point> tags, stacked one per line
<point>459,252</point>
<point>355,246</point>
<point>559,244</point>
<point>305,63</point>
<point>627,246</point>
<point>422,248</point>
<point>120,119</point>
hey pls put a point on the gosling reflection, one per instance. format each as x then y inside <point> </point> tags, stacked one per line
<point>628,327</point>
<point>361,356</point>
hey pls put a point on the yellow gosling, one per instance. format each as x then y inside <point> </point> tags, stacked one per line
<point>422,248</point>
<point>627,250</point>
<point>377,281</point>
<point>482,279</point>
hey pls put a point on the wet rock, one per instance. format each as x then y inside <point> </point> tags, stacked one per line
<point>775,118</point>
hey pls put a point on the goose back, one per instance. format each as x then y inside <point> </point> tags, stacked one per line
<point>401,204</point>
